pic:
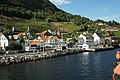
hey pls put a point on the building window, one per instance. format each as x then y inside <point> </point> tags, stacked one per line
<point>27,44</point>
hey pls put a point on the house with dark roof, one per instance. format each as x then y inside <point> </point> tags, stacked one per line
<point>49,33</point>
<point>86,41</point>
<point>113,40</point>
<point>45,33</point>
<point>5,40</point>
<point>98,38</point>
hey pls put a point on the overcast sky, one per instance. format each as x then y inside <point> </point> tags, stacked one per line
<point>93,9</point>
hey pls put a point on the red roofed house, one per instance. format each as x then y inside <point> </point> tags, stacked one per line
<point>34,45</point>
<point>21,33</point>
<point>50,41</point>
<point>45,33</point>
<point>49,33</point>
<point>25,35</point>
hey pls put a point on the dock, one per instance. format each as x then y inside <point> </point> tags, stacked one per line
<point>100,49</point>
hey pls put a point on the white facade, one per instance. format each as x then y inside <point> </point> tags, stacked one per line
<point>89,46</point>
<point>50,41</point>
<point>98,39</point>
<point>3,41</point>
<point>85,41</point>
<point>33,47</point>
<point>27,46</point>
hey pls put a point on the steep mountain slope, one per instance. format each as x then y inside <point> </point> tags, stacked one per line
<point>42,9</point>
<point>31,4</point>
<point>28,9</point>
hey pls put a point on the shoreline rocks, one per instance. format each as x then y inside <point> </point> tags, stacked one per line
<point>18,58</point>
<point>25,57</point>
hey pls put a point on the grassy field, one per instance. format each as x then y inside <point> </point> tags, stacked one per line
<point>67,26</point>
<point>117,33</point>
<point>38,25</point>
<point>70,26</point>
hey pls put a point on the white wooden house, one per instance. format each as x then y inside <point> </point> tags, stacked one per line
<point>34,45</point>
<point>3,41</point>
<point>86,41</point>
<point>85,38</point>
<point>98,38</point>
<point>50,41</point>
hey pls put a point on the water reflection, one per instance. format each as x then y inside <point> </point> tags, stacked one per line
<point>85,53</point>
<point>83,66</point>
<point>85,58</point>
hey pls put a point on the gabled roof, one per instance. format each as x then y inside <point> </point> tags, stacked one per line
<point>21,33</point>
<point>87,35</point>
<point>15,37</point>
<point>35,42</point>
<point>47,34</point>
<point>99,34</point>
<point>43,32</point>
<point>8,36</point>
<point>45,38</point>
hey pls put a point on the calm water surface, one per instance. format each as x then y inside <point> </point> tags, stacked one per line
<point>82,66</point>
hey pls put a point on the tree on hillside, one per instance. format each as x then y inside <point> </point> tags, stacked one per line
<point>14,46</point>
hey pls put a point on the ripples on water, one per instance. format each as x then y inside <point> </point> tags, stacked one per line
<point>83,66</point>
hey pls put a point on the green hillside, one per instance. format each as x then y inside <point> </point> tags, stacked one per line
<point>42,14</point>
<point>20,13</point>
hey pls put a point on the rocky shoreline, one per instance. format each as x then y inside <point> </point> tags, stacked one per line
<point>25,57</point>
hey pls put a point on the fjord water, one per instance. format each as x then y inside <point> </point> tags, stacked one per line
<point>81,66</point>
